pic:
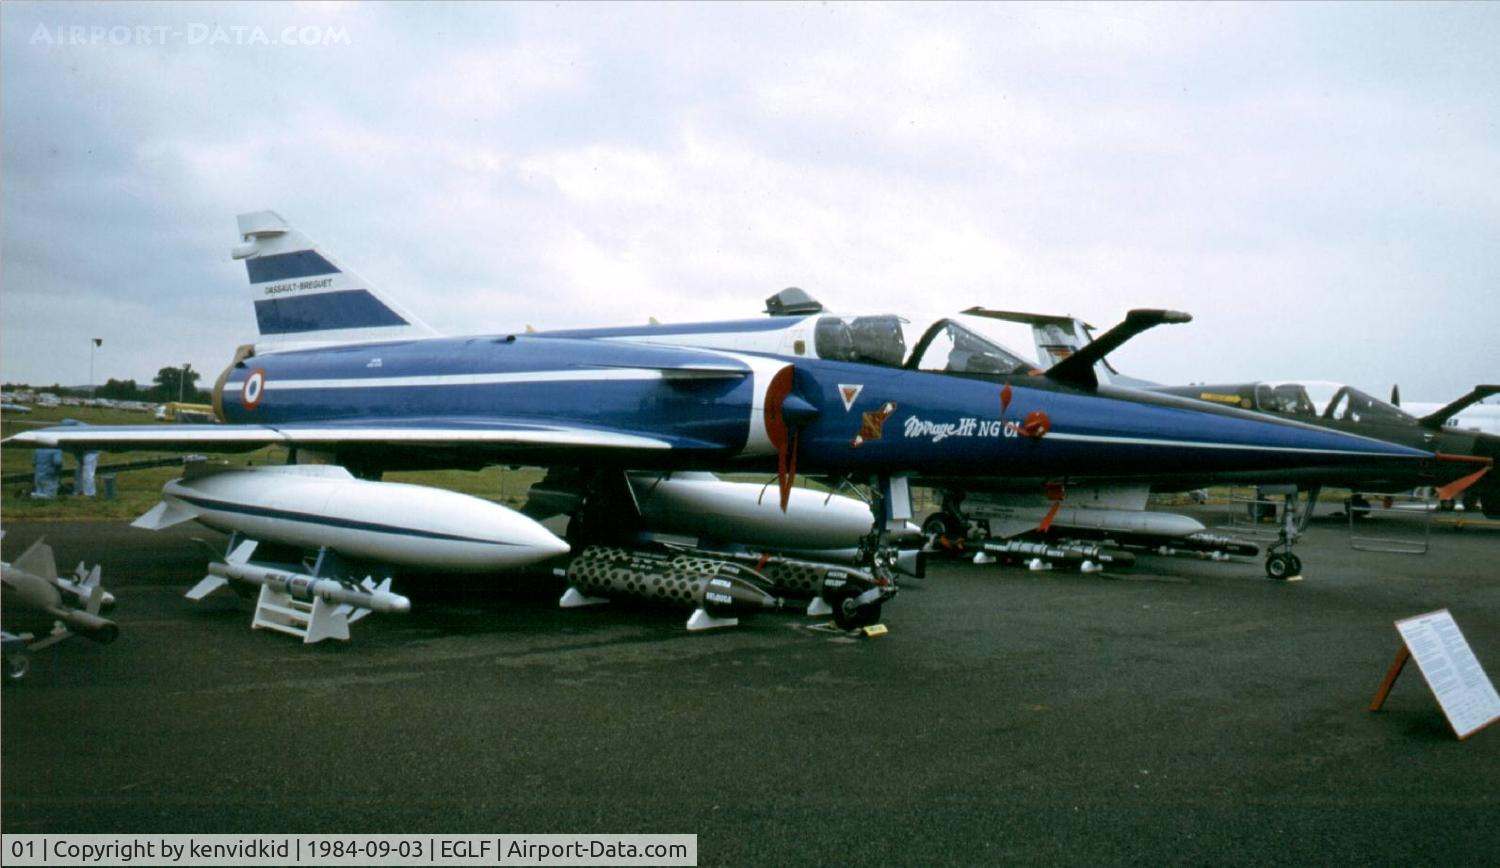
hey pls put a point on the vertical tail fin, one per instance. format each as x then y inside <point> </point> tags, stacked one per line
<point>304,297</point>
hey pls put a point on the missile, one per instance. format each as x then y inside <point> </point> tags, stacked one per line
<point>314,506</point>
<point>702,505</point>
<point>712,588</point>
<point>1089,558</point>
<point>32,583</point>
<point>1203,545</point>
<point>312,607</point>
<point>1212,542</point>
<point>305,587</point>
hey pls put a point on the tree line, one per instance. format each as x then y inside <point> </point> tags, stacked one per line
<point>168,384</point>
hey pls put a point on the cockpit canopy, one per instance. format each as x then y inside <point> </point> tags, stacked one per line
<point>1332,401</point>
<point>875,340</point>
<point>947,345</point>
<point>956,349</point>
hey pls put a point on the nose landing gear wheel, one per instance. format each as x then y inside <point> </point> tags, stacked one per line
<point>1283,566</point>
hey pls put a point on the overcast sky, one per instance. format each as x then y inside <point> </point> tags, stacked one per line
<point>1318,184</point>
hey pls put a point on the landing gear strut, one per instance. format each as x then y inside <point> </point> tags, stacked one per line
<point>861,608</point>
<point>1281,564</point>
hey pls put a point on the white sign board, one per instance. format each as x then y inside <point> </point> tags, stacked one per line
<point>1454,674</point>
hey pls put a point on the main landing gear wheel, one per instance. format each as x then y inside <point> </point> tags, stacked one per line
<point>1283,566</point>
<point>16,667</point>
<point>850,615</point>
<point>944,531</point>
<point>942,524</point>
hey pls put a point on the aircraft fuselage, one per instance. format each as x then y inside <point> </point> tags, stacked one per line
<point>742,410</point>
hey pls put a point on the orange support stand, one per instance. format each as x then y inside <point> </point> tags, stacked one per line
<point>1390,677</point>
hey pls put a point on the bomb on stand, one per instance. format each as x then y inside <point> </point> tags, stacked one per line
<point>716,590</point>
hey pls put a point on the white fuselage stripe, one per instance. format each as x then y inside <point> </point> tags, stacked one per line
<point>573,376</point>
<point>1195,444</point>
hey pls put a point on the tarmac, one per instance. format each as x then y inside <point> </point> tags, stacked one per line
<point>1183,711</point>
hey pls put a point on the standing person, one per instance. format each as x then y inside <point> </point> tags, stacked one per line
<point>46,465</point>
<point>83,481</point>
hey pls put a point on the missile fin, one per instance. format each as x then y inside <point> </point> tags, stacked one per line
<point>241,553</point>
<point>818,608</point>
<point>368,585</point>
<point>206,586</point>
<point>38,561</point>
<point>326,622</point>
<point>164,515</point>
<point>95,599</point>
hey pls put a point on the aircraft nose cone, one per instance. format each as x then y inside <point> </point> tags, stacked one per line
<point>1293,436</point>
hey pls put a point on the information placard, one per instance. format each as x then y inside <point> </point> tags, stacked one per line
<point>1460,684</point>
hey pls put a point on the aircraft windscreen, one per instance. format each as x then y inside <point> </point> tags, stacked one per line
<point>955,349</point>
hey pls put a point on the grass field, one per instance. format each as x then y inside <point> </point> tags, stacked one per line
<point>138,490</point>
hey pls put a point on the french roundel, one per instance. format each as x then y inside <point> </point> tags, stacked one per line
<point>254,388</point>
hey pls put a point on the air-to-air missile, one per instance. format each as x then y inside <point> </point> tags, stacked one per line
<point>311,607</point>
<point>31,583</point>
<point>1042,555</point>
<point>323,506</point>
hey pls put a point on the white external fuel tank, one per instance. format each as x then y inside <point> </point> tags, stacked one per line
<point>705,506</point>
<point>311,506</point>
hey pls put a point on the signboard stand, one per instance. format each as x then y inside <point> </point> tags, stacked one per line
<point>1390,678</point>
<point>1453,673</point>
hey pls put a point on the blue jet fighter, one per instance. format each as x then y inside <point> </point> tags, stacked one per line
<point>1002,508</point>
<point>344,372</point>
